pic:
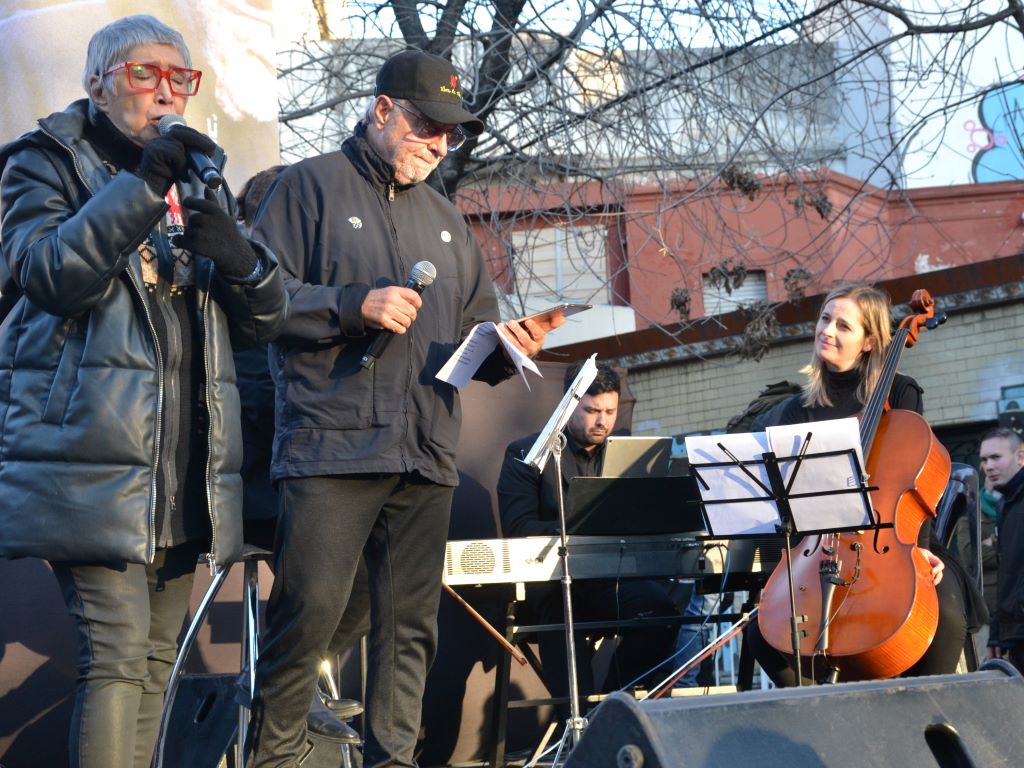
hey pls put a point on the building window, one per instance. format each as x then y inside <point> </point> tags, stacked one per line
<point>730,289</point>
<point>561,264</point>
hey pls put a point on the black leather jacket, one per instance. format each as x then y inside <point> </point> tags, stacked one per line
<point>82,384</point>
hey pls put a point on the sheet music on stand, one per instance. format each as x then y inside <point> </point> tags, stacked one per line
<point>540,451</point>
<point>736,487</point>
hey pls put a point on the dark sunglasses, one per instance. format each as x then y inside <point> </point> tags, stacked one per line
<point>425,128</point>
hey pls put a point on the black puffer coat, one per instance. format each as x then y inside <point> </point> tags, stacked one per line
<point>82,384</point>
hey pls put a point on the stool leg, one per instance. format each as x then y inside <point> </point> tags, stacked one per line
<point>502,683</point>
<point>250,649</point>
<point>364,669</point>
<point>179,662</point>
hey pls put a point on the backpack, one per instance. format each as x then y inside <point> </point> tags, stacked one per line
<point>767,399</point>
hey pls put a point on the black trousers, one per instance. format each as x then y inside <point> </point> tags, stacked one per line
<point>400,524</point>
<point>355,622</point>
<point>127,617</point>
<point>259,512</point>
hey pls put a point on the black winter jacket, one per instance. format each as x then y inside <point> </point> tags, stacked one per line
<point>82,385</point>
<point>1007,626</point>
<point>340,227</point>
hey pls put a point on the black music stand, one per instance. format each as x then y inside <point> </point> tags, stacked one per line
<point>551,442</point>
<point>775,490</point>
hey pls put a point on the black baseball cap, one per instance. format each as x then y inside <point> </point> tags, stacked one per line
<point>431,84</point>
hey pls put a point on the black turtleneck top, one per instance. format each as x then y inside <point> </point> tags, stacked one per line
<point>905,394</point>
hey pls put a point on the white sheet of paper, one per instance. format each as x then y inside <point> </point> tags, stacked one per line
<point>540,451</point>
<point>749,513</point>
<point>481,341</point>
<point>820,475</point>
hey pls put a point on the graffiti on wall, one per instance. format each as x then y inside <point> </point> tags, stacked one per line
<point>996,138</point>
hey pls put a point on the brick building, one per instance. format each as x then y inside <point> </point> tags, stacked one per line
<point>963,243</point>
<point>970,367</point>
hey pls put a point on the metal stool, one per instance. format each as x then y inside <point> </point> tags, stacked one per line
<point>251,557</point>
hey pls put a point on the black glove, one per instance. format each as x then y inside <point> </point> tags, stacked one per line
<point>210,232</point>
<point>165,158</point>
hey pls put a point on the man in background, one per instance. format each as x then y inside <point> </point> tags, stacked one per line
<point>1002,460</point>
<point>528,506</point>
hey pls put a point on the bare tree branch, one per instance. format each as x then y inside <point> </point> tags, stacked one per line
<point>631,143</point>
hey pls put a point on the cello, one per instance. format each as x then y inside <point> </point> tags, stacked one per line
<point>869,607</point>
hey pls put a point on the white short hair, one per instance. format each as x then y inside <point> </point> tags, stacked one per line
<point>111,45</point>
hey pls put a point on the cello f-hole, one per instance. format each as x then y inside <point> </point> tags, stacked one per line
<point>811,550</point>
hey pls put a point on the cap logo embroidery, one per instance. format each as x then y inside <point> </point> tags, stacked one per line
<point>454,89</point>
<point>356,222</point>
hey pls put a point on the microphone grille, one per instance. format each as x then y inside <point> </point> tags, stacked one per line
<point>167,122</point>
<point>423,272</point>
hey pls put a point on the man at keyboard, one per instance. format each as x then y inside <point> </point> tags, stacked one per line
<point>528,505</point>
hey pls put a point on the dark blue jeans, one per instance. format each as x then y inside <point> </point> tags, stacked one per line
<point>400,523</point>
<point>128,617</point>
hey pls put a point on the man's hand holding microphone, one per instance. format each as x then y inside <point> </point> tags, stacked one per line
<point>393,310</point>
<point>209,230</point>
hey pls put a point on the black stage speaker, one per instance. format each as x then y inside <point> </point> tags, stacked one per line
<point>944,721</point>
<point>203,722</point>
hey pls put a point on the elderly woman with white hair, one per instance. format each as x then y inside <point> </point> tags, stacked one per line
<point>125,281</point>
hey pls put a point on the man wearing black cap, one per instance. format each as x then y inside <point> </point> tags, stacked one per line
<point>364,455</point>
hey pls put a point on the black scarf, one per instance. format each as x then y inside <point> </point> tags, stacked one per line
<point>113,147</point>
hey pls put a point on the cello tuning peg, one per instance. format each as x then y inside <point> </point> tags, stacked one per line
<point>934,322</point>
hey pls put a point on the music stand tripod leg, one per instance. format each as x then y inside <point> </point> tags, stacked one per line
<point>786,527</point>
<point>551,440</point>
<point>576,724</point>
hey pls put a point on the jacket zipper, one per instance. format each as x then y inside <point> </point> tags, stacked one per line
<point>159,410</point>
<point>211,557</point>
<point>408,366</point>
<point>173,392</point>
<point>141,292</point>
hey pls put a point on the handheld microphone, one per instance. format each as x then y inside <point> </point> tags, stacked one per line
<point>198,162</point>
<point>421,275</point>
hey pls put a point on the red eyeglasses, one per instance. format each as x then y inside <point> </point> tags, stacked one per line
<point>146,78</point>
